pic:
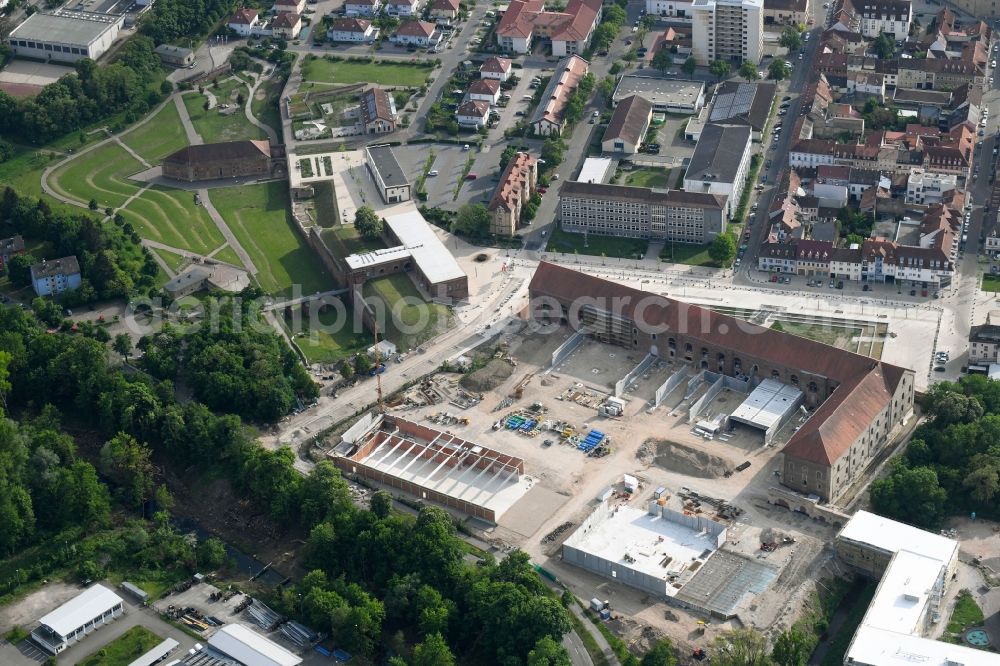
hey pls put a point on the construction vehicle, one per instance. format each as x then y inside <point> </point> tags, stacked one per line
<point>518,391</point>
<point>699,654</point>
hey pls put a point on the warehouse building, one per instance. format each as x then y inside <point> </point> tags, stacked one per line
<point>212,161</point>
<point>78,617</point>
<point>65,36</point>
<point>387,175</point>
<point>666,95</point>
<point>175,56</point>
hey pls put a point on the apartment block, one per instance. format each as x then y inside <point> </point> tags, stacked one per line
<point>517,183</point>
<point>729,30</point>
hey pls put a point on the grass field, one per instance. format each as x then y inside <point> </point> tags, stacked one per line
<point>857,602</point>
<point>160,136</point>
<point>648,178</point>
<point>596,246</point>
<point>172,259</point>
<point>228,255</point>
<point>410,325</point>
<point>344,240</point>
<point>322,70</point>
<point>260,218</point>
<point>212,125</point>
<point>171,217</point>
<point>100,174</point>
<point>692,255</point>
<point>125,649</point>
<point>966,615</point>
<point>326,344</point>
<point>991,283</point>
<point>265,103</point>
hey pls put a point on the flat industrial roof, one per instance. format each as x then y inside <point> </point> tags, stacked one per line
<point>157,653</point>
<point>890,536</point>
<point>429,253</point>
<point>768,404</point>
<point>719,152</point>
<point>595,170</point>
<point>376,257</point>
<point>93,602</point>
<point>672,92</point>
<point>889,648</point>
<point>647,539</point>
<point>76,31</point>
<point>246,645</point>
<point>387,166</point>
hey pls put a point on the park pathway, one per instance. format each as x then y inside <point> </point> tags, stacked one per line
<point>159,260</point>
<point>134,154</point>
<point>272,135</point>
<point>226,232</point>
<point>194,139</point>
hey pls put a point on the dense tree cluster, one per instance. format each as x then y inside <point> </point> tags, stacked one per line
<point>112,262</point>
<point>231,364</point>
<point>952,463</point>
<point>185,20</point>
<point>86,96</point>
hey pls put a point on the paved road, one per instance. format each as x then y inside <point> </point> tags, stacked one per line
<point>193,138</point>
<point>272,134</point>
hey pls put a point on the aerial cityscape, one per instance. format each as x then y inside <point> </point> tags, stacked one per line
<point>513,332</point>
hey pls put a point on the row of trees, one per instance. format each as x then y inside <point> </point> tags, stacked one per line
<point>185,20</point>
<point>952,463</point>
<point>112,263</point>
<point>612,21</point>
<point>88,95</point>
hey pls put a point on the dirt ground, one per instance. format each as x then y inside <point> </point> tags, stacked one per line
<point>25,612</point>
<point>683,459</point>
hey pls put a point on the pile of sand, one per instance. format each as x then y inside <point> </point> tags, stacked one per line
<point>682,459</point>
<point>488,377</point>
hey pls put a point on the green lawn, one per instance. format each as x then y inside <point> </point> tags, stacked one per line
<point>991,283</point>
<point>264,104</point>
<point>228,255</point>
<point>345,239</point>
<point>171,217</point>
<point>692,255</point>
<point>214,126</point>
<point>330,341</point>
<point>967,614</point>
<point>383,73</point>
<point>100,174</point>
<point>649,177</point>
<point>160,136</point>
<point>23,172</point>
<point>410,325</point>
<point>596,246</point>
<point>260,217</point>
<point>172,259</point>
<point>125,649</point>
<point>325,202</point>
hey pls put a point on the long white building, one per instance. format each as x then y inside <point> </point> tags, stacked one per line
<point>65,37</point>
<point>729,30</point>
<point>78,617</point>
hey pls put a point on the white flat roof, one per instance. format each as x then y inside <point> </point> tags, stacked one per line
<point>376,257</point>
<point>93,602</point>
<point>767,404</point>
<point>247,646</point>
<point>595,170</point>
<point>647,539</point>
<point>429,253</point>
<point>890,536</point>
<point>157,653</point>
<point>888,648</point>
<point>903,592</point>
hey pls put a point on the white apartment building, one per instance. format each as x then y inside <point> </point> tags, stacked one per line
<point>721,162</point>
<point>892,17</point>
<point>926,187</point>
<point>669,8</point>
<point>730,30</point>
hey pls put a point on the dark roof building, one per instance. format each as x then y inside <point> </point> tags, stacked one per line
<point>378,111</point>
<point>743,104</point>
<point>628,125</point>
<point>211,161</point>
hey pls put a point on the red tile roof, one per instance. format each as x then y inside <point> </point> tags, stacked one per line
<point>286,20</point>
<point>415,29</point>
<point>495,64</point>
<point>485,87</point>
<point>515,179</point>
<point>244,17</point>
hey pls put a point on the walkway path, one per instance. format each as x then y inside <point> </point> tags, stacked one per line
<point>602,642</point>
<point>272,135</point>
<point>159,260</point>
<point>226,232</point>
<point>193,137</point>
<point>131,152</point>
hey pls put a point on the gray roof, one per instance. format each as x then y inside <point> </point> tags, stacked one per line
<point>719,153</point>
<point>385,163</point>
<point>75,31</point>
<point>64,266</point>
<point>630,120</point>
<point>572,188</point>
<point>211,152</point>
<point>744,103</point>
<point>12,245</point>
<point>171,50</point>
<point>659,91</point>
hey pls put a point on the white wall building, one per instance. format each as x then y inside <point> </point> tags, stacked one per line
<point>367,8</point>
<point>729,30</point>
<point>926,187</point>
<point>65,37</point>
<point>352,30</point>
<point>889,16</point>
<point>78,617</point>
<point>720,163</point>
<point>669,8</point>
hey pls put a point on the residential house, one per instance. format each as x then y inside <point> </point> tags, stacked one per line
<point>628,126</point>
<point>290,6</point>
<point>473,114</point>
<point>517,184</point>
<point>378,111</point>
<point>10,247</point>
<point>416,33</point>
<point>286,25</point>
<point>243,21</point>
<point>547,118</point>
<point>925,187</point>
<point>352,30</point>
<point>984,341</point>
<point>679,9</point>
<point>485,90</point>
<point>497,68</point>
<point>892,17</point>
<point>786,12</point>
<point>404,8</point>
<point>567,31</point>
<point>50,278</point>
<point>367,8</point>
<point>444,10</point>
<point>729,30</point>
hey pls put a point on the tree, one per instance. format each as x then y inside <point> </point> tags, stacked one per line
<point>604,34</point>
<point>472,220</point>
<point>720,69</point>
<point>661,654</point>
<point>913,495</point>
<point>740,647</point>
<point>552,151</point>
<point>19,269</point>
<point>368,223</point>
<point>778,70</point>
<point>983,483</point>
<point>122,345</point>
<point>346,370</point>
<point>723,249</point>
<point>607,86</point>
<point>507,155</point>
<point>547,652</point>
<point>884,46</point>
<point>663,60</point>
<point>615,15</point>
<point>433,651</point>
<point>92,205</point>
<point>748,71</point>
<point>211,553</point>
<point>790,39</point>
<point>362,364</point>
<point>127,462</point>
<point>689,66</point>
<point>792,648</point>
<point>240,99</point>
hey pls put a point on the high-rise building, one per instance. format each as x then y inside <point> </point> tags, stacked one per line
<point>729,30</point>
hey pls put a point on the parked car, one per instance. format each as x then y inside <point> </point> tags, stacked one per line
<point>774,278</point>
<point>471,176</point>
